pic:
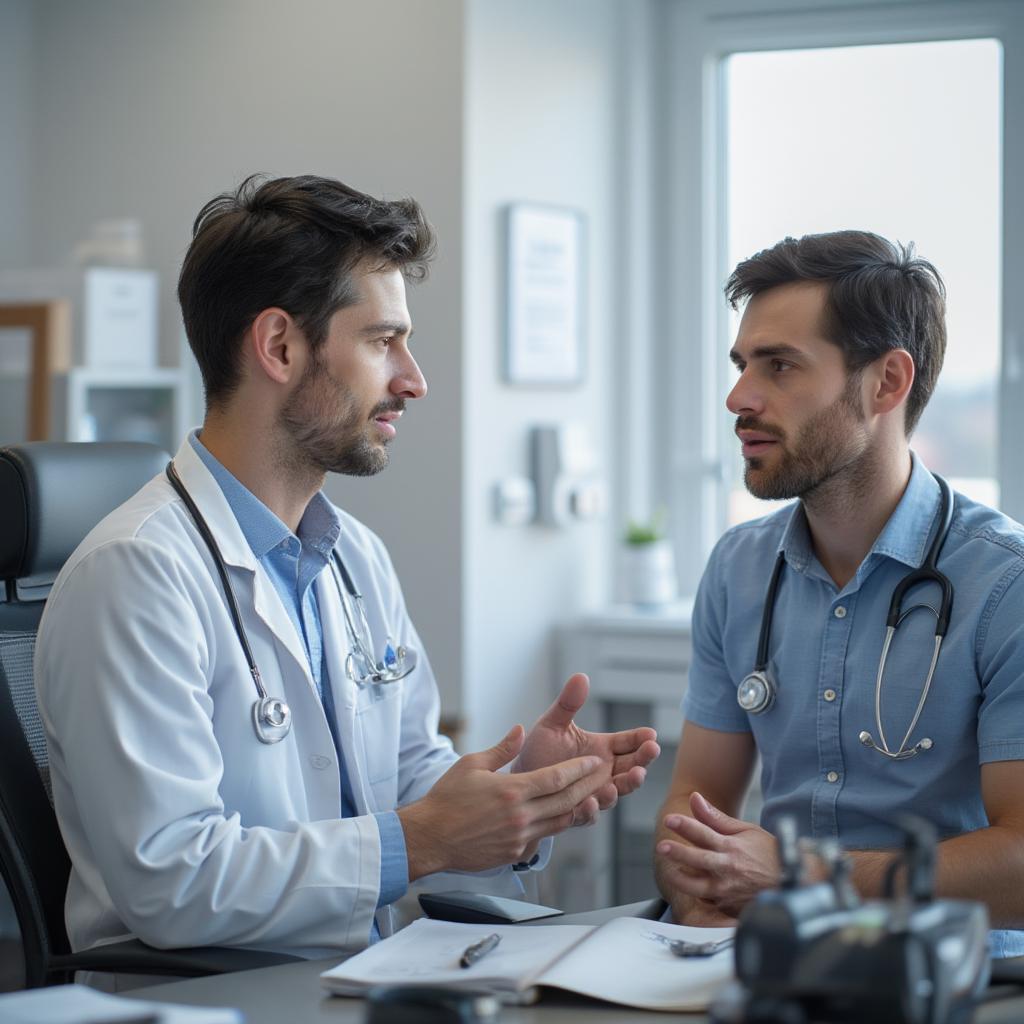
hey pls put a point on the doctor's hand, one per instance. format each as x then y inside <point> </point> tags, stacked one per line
<point>721,865</point>
<point>475,817</point>
<point>556,737</point>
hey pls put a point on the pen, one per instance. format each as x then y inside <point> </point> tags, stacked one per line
<point>478,950</point>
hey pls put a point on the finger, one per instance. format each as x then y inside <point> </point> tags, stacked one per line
<point>570,700</point>
<point>586,813</point>
<point>695,832</point>
<point>500,754</point>
<point>560,778</point>
<point>629,782</point>
<point>714,818</point>
<point>607,796</point>
<point>562,800</point>
<point>631,740</point>
<point>693,859</point>
<point>643,756</point>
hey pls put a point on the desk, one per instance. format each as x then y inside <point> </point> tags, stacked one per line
<point>291,994</point>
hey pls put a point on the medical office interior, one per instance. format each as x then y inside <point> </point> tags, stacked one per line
<point>550,504</point>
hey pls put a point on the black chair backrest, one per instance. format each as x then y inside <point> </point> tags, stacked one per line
<point>51,496</point>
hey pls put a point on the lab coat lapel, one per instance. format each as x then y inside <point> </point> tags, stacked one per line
<point>243,570</point>
<point>344,690</point>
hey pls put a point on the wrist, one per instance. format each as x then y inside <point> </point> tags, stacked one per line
<point>423,853</point>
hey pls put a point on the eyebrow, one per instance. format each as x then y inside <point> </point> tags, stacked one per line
<point>769,352</point>
<point>389,327</point>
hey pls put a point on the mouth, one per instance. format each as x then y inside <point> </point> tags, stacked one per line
<point>756,442</point>
<point>385,422</point>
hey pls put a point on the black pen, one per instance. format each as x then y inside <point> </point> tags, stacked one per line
<point>478,950</point>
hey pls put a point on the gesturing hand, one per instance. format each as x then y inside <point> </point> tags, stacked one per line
<point>723,863</point>
<point>555,737</point>
<point>476,817</point>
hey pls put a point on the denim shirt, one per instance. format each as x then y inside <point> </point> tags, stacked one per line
<point>826,646</point>
<point>293,564</point>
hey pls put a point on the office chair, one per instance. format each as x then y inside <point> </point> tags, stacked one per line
<point>51,495</point>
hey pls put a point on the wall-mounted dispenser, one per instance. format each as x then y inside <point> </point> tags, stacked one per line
<point>565,475</point>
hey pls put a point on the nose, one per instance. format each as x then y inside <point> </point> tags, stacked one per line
<point>408,381</point>
<point>744,398</point>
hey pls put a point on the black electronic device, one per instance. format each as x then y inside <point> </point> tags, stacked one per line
<point>480,908</point>
<point>808,953</point>
<point>428,1004</point>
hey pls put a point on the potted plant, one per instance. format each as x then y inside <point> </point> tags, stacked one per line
<point>647,563</point>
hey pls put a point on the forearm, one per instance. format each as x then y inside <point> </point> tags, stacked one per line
<point>985,865</point>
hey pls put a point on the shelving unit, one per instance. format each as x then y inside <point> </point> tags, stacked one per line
<point>119,405</point>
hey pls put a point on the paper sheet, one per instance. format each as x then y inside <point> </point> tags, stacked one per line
<point>79,1004</point>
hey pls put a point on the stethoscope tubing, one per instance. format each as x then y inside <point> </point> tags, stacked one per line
<point>757,691</point>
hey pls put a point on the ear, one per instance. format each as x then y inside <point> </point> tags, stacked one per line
<point>891,379</point>
<point>274,341</point>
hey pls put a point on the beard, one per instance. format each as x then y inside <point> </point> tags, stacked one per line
<point>327,428</point>
<point>827,445</point>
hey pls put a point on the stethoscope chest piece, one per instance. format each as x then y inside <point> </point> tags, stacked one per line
<point>272,719</point>
<point>756,693</point>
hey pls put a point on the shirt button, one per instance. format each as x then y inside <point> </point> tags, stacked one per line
<point>840,612</point>
<point>832,776</point>
<point>829,695</point>
<point>320,762</point>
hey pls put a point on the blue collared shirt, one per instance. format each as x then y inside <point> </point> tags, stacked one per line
<point>826,646</point>
<point>293,563</point>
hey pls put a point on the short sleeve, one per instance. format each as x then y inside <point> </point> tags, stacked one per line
<point>1001,670</point>
<point>710,699</point>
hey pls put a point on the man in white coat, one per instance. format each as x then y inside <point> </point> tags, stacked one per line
<point>285,796</point>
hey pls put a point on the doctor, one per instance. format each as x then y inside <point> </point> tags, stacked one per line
<point>867,640</point>
<point>277,781</point>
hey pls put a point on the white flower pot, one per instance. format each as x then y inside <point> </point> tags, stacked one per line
<point>647,573</point>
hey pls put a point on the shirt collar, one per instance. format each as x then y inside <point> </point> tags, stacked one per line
<point>319,527</point>
<point>904,537</point>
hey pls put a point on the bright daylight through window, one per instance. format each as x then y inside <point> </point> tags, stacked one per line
<point>903,140</point>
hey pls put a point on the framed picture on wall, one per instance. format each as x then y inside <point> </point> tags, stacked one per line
<point>545,295</point>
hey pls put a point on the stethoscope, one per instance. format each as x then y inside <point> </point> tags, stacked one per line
<point>271,716</point>
<point>757,692</point>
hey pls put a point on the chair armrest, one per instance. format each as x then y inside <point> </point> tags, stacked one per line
<point>135,957</point>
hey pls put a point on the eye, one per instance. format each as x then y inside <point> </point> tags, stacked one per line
<point>780,366</point>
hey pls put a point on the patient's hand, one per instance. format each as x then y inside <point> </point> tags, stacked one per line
<point>556,737</point>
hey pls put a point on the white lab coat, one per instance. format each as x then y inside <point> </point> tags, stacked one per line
<point>183,829</point>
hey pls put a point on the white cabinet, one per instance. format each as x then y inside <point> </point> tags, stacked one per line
<point>638,663</point>
<point>119,405</point>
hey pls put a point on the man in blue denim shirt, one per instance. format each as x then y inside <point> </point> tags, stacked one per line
<point>838,351</point>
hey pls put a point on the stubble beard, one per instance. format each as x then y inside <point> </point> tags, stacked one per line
<point>828,446</point>
<point>326,430</point>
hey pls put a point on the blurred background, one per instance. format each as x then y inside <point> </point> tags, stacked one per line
<point>593,168</point>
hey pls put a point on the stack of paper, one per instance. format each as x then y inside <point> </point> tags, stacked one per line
<point>79,1004</point>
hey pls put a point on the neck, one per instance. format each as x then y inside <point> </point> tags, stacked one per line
<point>847,512</point>
<point>255,456</point>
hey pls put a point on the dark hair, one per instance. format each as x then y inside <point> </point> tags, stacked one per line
<point>880,297</point>
<point>292,243</point>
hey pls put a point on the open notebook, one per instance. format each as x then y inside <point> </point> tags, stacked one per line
<point>622,961</point>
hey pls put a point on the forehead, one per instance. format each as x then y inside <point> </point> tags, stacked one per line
<point>789,314</point>
<point>378,292</point>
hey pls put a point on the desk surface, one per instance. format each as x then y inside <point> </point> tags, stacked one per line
<point>292,994</point>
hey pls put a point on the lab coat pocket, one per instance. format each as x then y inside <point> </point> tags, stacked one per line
<point>378,727</point>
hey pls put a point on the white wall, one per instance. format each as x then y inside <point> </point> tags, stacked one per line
<point>16,37</point>
<point>148,109</point>
<point>540,126</point>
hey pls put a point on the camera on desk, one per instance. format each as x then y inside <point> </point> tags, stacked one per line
<point>817,952</point>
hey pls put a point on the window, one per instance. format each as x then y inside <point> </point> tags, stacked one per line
<point>903,140</point>
<point>779,117</point>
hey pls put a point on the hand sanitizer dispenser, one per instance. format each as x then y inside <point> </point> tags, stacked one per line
<point>565,475</point>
